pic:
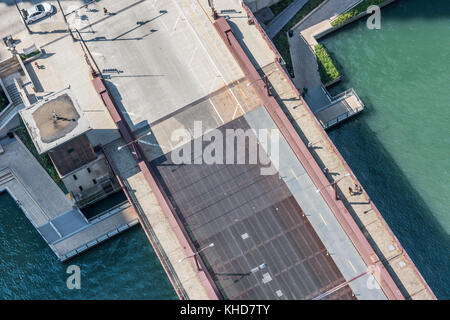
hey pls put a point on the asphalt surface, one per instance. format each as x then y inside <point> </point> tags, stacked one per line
<point>264,247</point>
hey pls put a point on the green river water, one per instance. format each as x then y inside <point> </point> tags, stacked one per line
<point>399,148</point>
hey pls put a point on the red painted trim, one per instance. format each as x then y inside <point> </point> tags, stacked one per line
<point>304,156</point>
<point>277,61</point>
<point>204,276</point>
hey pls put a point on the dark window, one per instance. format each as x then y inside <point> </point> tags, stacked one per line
<point>75,177</point>
<point>94,181</point>
<point>70,150</point>
<point>81,188</point>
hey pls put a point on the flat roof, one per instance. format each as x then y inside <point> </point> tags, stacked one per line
<point>264,245</point>
<point>54,120</point>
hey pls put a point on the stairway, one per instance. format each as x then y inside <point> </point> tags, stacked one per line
<point>5,177</point>
<point>14,94</point>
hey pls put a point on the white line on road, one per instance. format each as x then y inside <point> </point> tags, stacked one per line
<point>214,107</point>
<point>351,265</point>
<point>204,48</point>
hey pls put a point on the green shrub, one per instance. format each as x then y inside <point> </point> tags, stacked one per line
<point>361,7</point>
<point>3,100</point>
<point>327,70</point>
<point>26,56</point>
<point>43,159</point>
<point>277,8</point>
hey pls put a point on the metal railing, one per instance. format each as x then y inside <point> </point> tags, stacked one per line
<point>148,229</point>
<point>151,234</point>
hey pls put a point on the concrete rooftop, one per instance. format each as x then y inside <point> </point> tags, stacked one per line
<point>54,120</point>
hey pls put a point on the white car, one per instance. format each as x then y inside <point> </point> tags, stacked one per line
<point>38,11</point>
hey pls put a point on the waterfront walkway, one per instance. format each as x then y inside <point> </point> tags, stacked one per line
<point>277,24</point>
<point>301,46</point>
<point>358,206</point>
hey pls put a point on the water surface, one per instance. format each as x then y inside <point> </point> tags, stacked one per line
<point>399,147</point>
<point>124,267</point>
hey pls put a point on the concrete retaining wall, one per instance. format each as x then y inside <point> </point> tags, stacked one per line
<point>256,5</point>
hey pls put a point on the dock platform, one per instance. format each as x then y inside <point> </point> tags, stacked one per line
<point>329,110</point>
<point>52,213</point>
<point>341,107</point>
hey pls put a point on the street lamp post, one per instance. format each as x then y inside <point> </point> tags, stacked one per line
<point>23,19</point>
<point>213,9</point>
<point>265,79</point>
<point>196,254</point>
<point>340,286</point>
<point>134,141</point>
<point>334,184</point>
<point>65,20</point>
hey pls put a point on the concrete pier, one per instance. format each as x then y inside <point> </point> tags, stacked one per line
<point>330,111</point>
<point>51,212</point>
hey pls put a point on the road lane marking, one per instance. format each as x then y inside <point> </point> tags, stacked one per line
<point>351,265</point>
<point>323,219</point>
<point>293,173</point>
<point>207,37</point>
<point>214,107</point>
<point>235,111</point>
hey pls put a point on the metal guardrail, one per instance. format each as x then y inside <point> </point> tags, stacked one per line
<point>150,232</point>
<point>348,8</point>
<point>337,99</point>
<point>145,224</point>
<point>347,93</point>
<point>341,117</point>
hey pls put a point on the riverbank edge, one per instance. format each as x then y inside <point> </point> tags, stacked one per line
<point>278,60</point>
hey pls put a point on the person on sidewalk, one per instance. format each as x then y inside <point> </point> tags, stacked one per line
<point>350,191</point>
<point>105,11</point>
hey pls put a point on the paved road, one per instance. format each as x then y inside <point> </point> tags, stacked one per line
<point>166,51</point>
<point>10,21</point>
<point>283,18</point>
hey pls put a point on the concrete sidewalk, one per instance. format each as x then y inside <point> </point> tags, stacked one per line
<point>302,43</point>
<point>277,24</point>
<point>183,272</point>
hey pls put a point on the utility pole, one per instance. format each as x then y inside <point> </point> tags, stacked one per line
<point>23,19</point>
<point>195,255</point>
<point>334,185</point>
<point>266,84</point>
<point>65,20</point>
<point>214,12</point>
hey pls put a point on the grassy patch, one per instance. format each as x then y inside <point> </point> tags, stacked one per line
<point>44,159</point>
<point>281,39</point>
<point>327,70</point>
<point>280,6</point>
<point>362,7</point>
<point>26,56</point>
<point>3,100</point>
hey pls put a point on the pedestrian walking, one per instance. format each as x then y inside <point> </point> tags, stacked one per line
<point>350,191</point>
<point>325,170</point>
<point>105,11</point>
<point>310,145</point>
<point>37,65</point>
<point>357,189</point>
